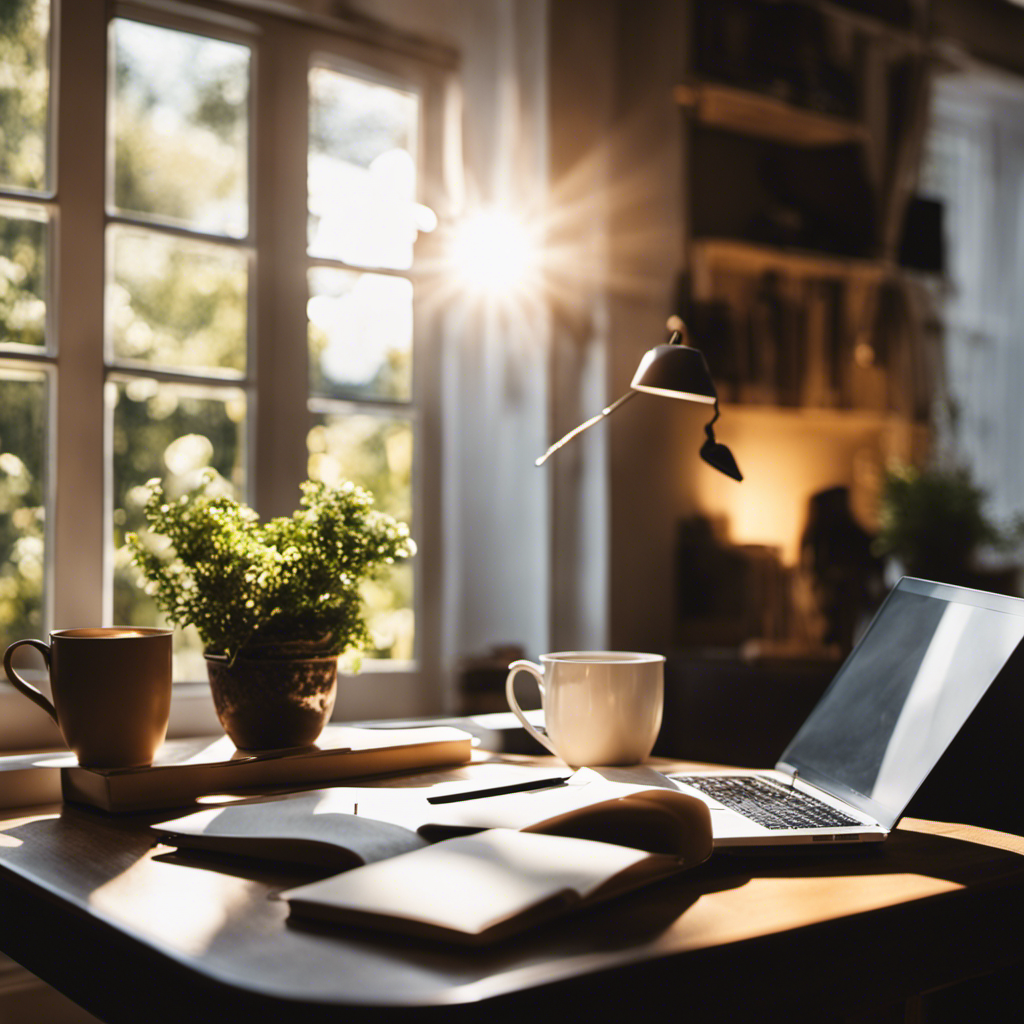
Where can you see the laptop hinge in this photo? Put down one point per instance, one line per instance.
(794, 776)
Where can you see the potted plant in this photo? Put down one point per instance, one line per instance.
(274, 603)
(933, 522)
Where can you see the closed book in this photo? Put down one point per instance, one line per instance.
(185, 770)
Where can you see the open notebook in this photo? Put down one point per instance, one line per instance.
(533, 853)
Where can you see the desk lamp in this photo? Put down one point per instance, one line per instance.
(675, 370)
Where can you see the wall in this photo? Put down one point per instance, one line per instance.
(789, 457)
(582, 82)
(655, 476)
(653, 442)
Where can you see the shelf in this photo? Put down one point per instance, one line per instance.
(711, 254)
(750, 113)
(854, 421)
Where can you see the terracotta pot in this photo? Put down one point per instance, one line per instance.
(270, 703)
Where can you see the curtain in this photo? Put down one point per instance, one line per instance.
(974, 163)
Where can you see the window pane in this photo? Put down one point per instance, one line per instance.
(22, 276)
(360, 335)
(362, 172)
(24, 94)
(375, 452)
(175, 303)
(173, 432)
(22, 496)
(180, 130)
(389, 614)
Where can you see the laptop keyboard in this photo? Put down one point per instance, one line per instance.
(767, 803)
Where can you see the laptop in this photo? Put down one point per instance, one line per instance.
(928, 657)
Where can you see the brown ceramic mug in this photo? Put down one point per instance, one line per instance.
(111, 691)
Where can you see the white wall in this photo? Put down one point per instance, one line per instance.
(653, 441)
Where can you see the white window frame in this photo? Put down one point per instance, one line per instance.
(283, 49)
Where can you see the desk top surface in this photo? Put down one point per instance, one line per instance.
(101, 879)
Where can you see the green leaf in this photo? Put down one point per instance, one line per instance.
(242, 583)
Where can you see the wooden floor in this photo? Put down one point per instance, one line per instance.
(24, 999)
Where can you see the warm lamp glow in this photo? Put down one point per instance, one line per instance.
(494, 253)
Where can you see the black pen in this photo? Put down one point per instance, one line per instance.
(517, 787)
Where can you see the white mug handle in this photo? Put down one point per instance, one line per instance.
(538, 674)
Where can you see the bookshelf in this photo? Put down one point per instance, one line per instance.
(796, 118)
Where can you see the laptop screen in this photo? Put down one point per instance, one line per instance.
(900, 698)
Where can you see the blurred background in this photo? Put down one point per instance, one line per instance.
(412, 243)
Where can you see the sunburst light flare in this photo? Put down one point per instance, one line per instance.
(495, 253)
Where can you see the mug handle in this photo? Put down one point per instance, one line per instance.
(538, 675)
(27, 688)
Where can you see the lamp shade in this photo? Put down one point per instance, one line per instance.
(676, 371)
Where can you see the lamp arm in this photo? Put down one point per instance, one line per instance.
(709, 426)
(606, 411)
(716, 454)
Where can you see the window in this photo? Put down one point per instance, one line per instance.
(26, 348)
(974, 163)
(178, 252)
(363, 222)
(233, 209)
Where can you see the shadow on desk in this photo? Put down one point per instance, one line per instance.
(201, 936)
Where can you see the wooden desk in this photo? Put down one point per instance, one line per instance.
(136, 933)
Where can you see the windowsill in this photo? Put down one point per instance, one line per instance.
(29, 737)
(26, 727)
(29, 740)
(381, 689)
(23, 725)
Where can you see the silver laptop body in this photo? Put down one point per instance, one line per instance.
(926, 660)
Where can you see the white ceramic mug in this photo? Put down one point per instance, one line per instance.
(600, 707)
